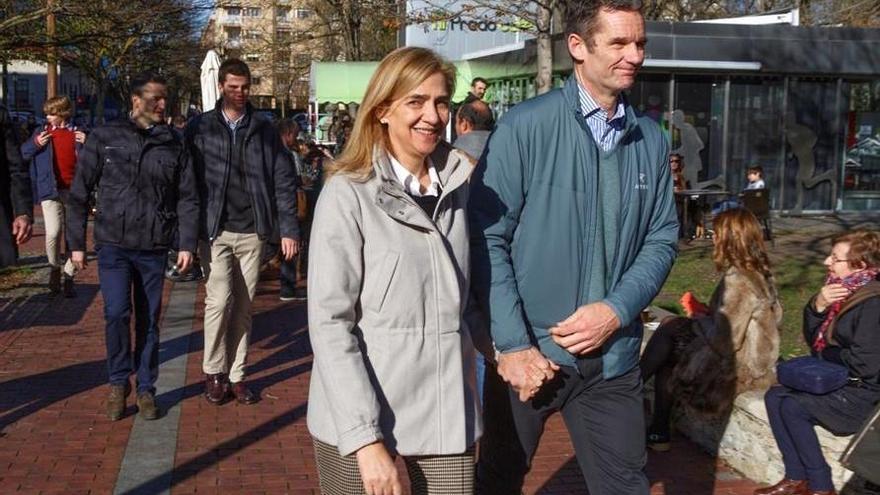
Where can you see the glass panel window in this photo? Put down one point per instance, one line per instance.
(697, 123)
(861, 177)
(754, 132)
(649, 96)
(813, 143)
(233, 11)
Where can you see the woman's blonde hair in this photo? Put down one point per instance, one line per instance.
(739, 242)
(399, 72)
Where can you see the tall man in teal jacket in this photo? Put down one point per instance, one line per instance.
(574, 231)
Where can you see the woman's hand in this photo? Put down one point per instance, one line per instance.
(830, 294)
(378, 471)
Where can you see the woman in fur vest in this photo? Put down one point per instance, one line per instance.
(730, 346)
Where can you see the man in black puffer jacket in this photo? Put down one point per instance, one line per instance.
(146, 190)
(247, 183)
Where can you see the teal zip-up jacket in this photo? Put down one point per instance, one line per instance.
(535, 214)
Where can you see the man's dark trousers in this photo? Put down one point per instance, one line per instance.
(126, 275)
(604, 418)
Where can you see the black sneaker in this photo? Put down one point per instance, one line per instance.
(658, 442)
(288, 294)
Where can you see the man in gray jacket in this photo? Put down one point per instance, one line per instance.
(473, 124)
(574, 231)
(247, 183)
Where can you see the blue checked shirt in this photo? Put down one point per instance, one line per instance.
(607, 132)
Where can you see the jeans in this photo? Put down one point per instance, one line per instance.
(793, 431)
(132, 277)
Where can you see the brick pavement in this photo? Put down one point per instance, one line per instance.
(55, 438)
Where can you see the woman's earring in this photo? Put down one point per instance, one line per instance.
(383, 121)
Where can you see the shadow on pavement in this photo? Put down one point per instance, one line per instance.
(190, 468)
(26, 395)
(54, 309)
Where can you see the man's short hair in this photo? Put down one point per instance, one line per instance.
(235, 67)
(582, 16)
(478, 114)
(756, 169)
(475, 80)
(58, 105)
(140, 81)
(288, 125)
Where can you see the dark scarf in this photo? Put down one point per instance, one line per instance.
(852, 283)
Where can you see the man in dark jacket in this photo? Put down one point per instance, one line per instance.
(247, 184)
(16, 212)
(146, 189)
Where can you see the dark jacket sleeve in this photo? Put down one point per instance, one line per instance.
(188, 213)
(812, 321)
(19, 176)
(285, 189)
(29, 148)
(862, 355)
(88, 172)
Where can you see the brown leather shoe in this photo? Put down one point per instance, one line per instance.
(116, 401)
(832, 492)
(147, 406)
(243, 394)
(216, 388)
(786, 487)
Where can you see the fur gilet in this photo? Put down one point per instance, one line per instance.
(735, 348)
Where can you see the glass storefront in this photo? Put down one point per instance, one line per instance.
(817, 140)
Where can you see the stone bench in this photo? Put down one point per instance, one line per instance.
(746, 443)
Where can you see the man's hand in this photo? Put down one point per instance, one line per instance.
(78, 258)
(80, 136)
(378, 471)
(289, 248)
(587, 329)
(184, 261)
(22, 229)
(526, 371)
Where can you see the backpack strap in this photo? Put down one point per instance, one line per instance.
(869, 290)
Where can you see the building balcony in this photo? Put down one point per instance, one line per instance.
(230, 20)
(235, 43)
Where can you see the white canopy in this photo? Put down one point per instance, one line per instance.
(209, 80)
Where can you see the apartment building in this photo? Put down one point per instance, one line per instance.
(275, 38)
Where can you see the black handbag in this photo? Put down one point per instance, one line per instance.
(862, 455)
(813, 375)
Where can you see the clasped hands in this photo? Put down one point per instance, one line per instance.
(527, 370)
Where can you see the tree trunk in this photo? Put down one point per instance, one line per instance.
(544, 78)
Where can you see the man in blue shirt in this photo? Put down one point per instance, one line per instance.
(574, 231)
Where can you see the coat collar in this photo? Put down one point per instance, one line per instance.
(452, 168)
(571, 93)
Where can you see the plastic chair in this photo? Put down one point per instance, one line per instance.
(757, 201)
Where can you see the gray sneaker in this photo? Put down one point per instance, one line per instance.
(147, 406)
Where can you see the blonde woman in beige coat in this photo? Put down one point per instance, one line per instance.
(726, 348)
(393, 372)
